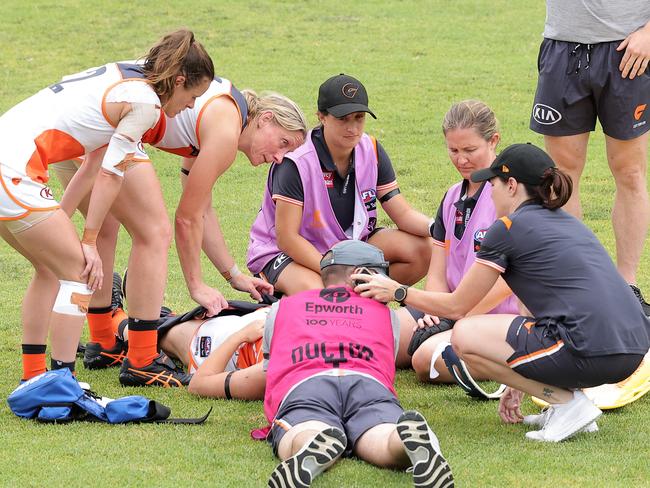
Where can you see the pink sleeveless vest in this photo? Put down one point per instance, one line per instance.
(317, 330)
(319, 225)
(461, 254)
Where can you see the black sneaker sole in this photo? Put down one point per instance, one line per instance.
(299, 470)
(430, 469)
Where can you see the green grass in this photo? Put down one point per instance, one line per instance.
(415, 58)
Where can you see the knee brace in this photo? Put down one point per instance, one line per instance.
(73, 298)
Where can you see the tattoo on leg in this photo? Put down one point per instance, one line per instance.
(548, 392)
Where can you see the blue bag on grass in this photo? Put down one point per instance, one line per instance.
(57, 396)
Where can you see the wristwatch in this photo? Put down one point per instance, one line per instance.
(400, 294)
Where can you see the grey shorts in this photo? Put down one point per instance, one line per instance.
(352, 403)
(540, 355)
(579, 83)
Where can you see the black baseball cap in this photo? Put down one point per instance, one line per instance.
(355, 253)
(523, 162)
(342, 95)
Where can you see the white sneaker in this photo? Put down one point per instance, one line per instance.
(429, 467)
(540, 419)
(566, 419)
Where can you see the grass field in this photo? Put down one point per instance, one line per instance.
(415, 58)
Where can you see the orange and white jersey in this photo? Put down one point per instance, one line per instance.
(181, 133)
(68, 119)
(213, 332)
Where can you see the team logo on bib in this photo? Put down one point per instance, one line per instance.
(369, 198)
(46, 193)
(328, 178)
(335, 295)
(479, 235)
(546, 115)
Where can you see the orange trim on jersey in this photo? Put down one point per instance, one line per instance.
(444, 244)
(537, 354)
(507, 222)
(52, 146)
(20, 204)
(156, 133)
(142, 80)
(288, 200)
(250, 354)
(387, 186)
(205, 105)
(491, 265)
(374, 144)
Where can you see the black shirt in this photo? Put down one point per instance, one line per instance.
(557, 267)
(287, 183)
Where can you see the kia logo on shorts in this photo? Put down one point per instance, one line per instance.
(46, 193)
(545, 115)
(335, 295)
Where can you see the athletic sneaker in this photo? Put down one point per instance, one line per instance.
(96, 357)
(315, 457)
(539, 420)
(644, 305)
(430, 469)
(566, 419)
(117, 296)
(161, 372)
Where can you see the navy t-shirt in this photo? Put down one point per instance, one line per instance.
(560, 271)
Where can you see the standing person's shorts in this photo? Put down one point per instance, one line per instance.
(579, 83)
(353, 403)
(23, 201)
(541, 355)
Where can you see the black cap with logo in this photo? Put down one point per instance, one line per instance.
(523, 162)
(342, 95)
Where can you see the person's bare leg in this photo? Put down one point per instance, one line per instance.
(480, 341)
(63, 256)
(406, 325)
(296, 278)
(570, 155)
(631, 211)
(407, 254)
(382, 446)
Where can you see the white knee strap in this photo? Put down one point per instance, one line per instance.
(433, 373)
(73, 298)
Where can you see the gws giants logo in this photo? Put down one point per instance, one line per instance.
(46, 193)
(349, 90)
(545, 115)
(479, 235)
(335, 295)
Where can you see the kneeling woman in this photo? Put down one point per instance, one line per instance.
(586, 328)
(326, 191)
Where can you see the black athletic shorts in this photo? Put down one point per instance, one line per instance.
(540, 354)
(353, 403)
(271, 271)
(579, 83)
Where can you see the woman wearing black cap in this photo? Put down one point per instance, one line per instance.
(586, 327)
(326, 191)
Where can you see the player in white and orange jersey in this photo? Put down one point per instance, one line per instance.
(101, 110)
(207, 135)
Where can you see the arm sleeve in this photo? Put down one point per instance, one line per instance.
(269, 325)
(439, 230)
(286, 182)
(385, 172)
(496, 248)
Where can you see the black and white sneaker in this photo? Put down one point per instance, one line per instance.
(644, 305)
(315, 457)
(430, 469)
